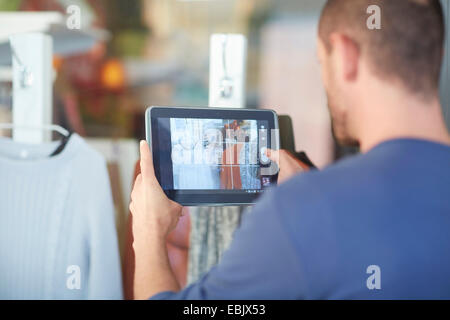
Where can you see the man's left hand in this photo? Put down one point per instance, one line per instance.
(154, 215)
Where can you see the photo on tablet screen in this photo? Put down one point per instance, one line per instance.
(209, 154)
(212, 156)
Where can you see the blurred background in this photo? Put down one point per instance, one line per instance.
(156, 52)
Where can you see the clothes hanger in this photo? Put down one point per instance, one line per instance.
(62, 144)
(50, 127)
(26, 80)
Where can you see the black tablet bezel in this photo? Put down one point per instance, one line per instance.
(204, 197)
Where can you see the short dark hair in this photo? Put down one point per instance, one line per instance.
(408, 47)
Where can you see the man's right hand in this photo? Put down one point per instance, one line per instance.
(289, 165)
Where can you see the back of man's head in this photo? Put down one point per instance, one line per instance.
(408, 47)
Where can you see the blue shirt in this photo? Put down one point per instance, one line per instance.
(374, 226)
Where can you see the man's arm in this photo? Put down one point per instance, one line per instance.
(154, 217)
(153, 273)
(262, 262)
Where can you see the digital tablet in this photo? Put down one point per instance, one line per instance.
(212, 156)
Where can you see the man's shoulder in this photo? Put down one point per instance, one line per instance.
(393, 164)
(344, 174)
(311, 199)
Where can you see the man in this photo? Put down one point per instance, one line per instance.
(374, 226)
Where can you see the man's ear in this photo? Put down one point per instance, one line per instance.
(347, 55)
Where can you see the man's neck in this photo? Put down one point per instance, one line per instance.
(402, 118)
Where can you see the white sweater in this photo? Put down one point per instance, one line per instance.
(57, 230)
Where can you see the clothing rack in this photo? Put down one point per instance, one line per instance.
(29, 43)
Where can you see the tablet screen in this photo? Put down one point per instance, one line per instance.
(214, 159)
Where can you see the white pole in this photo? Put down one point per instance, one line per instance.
(32, 85)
